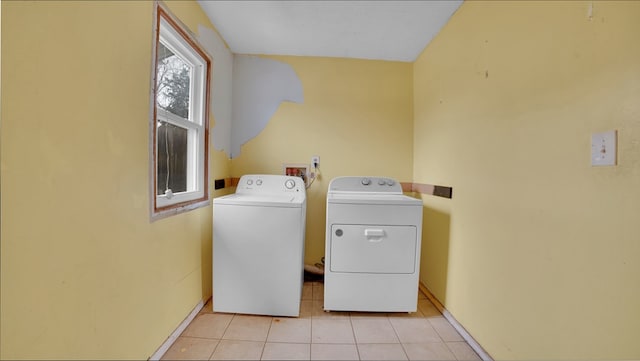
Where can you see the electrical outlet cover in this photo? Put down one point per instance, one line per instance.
(604, 148)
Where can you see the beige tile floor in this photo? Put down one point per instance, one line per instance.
(319, 335)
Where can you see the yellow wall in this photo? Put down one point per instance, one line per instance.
(356, 115)
(536, 254)
(541, 250)
(84, 273)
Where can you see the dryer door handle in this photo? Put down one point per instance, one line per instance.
(374, 235)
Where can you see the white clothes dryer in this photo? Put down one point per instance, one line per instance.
(372, 248)
(258, 246)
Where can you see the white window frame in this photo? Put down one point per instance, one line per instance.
(173, 36)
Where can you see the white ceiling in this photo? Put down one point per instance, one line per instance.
(382, 30)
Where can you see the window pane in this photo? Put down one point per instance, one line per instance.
(173, 82)
(172, 158)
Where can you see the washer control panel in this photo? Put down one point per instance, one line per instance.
(269, 184)
(365, 184)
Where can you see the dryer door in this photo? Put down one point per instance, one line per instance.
(373, 249)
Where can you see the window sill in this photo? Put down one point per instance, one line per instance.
(164, 213)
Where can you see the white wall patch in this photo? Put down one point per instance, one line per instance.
(221, 87)
(259, 86)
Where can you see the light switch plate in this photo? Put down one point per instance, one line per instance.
(604, 148)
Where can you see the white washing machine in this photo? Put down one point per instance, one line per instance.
(372, 249)
(258, 246)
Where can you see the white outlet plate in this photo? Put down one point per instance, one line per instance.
(315, 160)
(604, 148)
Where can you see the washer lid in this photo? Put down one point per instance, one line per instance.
(372, 198)
(259, 200)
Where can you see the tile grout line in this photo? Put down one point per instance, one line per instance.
(454, 354)
(435, 329)
(399, 340)
(264, 345)
(355, 340)
(223, 332)
(214, 350)
(266, 339)
(221, 336)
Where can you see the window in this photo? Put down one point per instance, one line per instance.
(180, 123)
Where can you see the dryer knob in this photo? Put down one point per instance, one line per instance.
(366, 181)
(259, 182)
(289, 183)
(381, 182)
(391, 182)
(250, 182)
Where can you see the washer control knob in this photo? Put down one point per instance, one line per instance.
(259, 182)
(250, 182)
(366, 181)
(289, 183)
(391, 182)
(381, 182)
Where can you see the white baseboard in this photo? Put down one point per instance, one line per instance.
(452, 320)
(174, 336)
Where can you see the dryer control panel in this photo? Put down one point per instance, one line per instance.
(365, 184)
